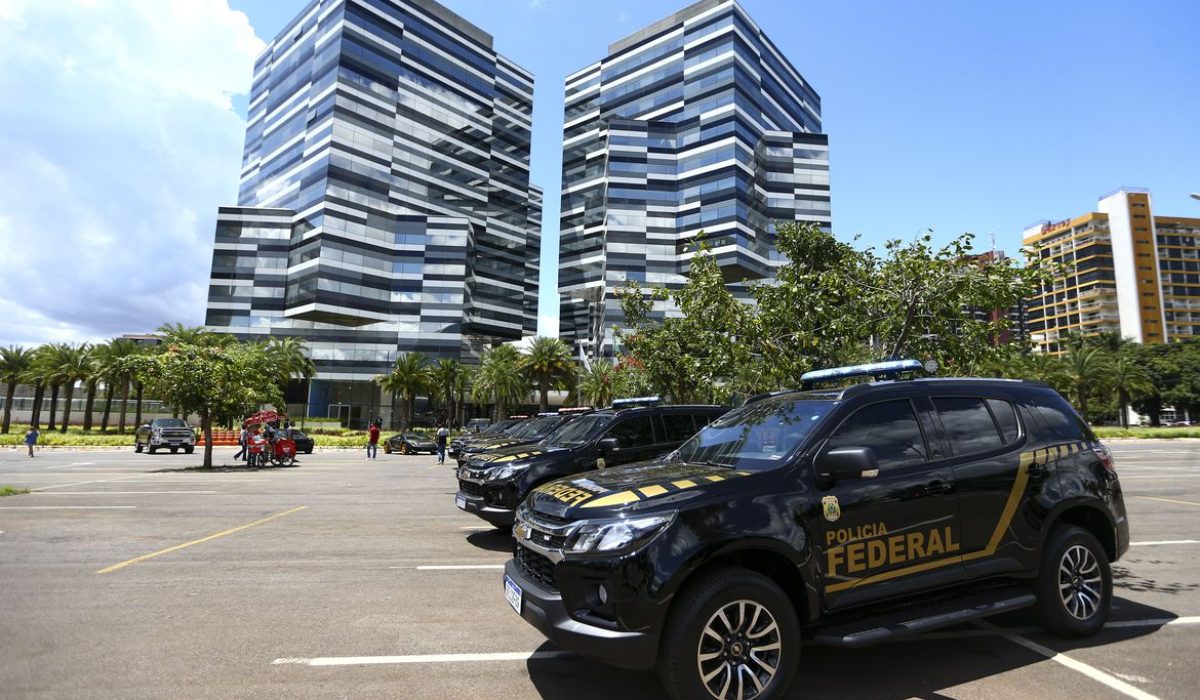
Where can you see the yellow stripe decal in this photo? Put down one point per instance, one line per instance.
(684, 483)
(715, 477)
(652, 491)
(615, 499)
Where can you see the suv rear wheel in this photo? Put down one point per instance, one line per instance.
(732, 635)
(1074, 586)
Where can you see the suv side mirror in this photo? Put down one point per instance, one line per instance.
(608, 444)
(847, 463)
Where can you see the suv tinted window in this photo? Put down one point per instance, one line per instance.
(634, 432)
(1006, 418)
(1061, 421)
(890, 429)
(679, 426)
(968, 424)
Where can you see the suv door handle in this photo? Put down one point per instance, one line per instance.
(1036, 471)
(935, 488)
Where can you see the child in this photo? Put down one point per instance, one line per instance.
(31, 438)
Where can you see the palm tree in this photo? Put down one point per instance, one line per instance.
(35, 376)
(409, 377)
(548, 365)
(1131, 380)
(52, 359)
(444, 378)
(288, 355)
(596, 384)
(191, 335)
(499, 379)
(76, 365)
(111, 366)
(15, 363)
(462, 388)
(1085, 369)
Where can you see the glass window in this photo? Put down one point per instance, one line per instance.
(968, 424)
(890, 429)
(580, 431)
(634, 432)
(679, 426)
(1006, 418)
(758, 436)
(1062, 423)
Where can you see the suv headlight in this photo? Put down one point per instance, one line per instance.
(508, 471)
(617, 534)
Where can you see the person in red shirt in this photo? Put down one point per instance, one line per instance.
(373, 440)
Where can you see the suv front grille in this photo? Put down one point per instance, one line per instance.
(536, 567)
(471, 488)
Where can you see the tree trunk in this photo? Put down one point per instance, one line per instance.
(206, 426)
(405, 417)
(89, 406)
(35, 417)
(69, 391)
(53, 406)
(108, 394)
(544, 388)
(137, 420)
(1122, 402)
(9, 397)
(1082, 394)
(124, 408)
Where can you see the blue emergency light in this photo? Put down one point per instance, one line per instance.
(877, 370)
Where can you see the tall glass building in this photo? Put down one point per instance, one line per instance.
(694, 124)
(385, 203)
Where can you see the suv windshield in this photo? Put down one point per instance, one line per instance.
(413, 437)
(578, 431)
(169, 423)
(755, 437)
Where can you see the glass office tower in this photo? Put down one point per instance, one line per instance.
(694, 124)
(385, 203)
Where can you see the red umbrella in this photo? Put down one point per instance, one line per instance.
(262, 417)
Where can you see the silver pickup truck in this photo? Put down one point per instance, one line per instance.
(172, 433)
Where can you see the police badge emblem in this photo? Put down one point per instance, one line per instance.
(600, 463)
(832, 509)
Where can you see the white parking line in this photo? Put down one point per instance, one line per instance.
(80, 483)
(424, 659)
(450, 567)
(117, 493)
(1090, 671)
(478, 528)
(1148, 544)
(67, 507)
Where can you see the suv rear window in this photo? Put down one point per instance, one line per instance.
(634, 432)
(1062, 423)
(679, 426)
(968, 424)
(889, 428)
(1006, 418)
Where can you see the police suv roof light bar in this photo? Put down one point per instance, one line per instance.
(639, 401)
(878, 370)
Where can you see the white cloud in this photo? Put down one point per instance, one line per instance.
(119, 142)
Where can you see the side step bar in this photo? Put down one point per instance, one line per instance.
(924, 618)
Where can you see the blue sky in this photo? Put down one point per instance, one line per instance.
(951, 116)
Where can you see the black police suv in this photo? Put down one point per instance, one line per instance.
(456, 444)
(855, 515)
(492, 488)
(527, 433)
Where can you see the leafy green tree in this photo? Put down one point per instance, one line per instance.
(75, 366)
(1130, 379)
(216, 381)
(597, 384)
(113, 364)
(409, 377)
(15, 364)
(548, 365)
(289, 358)
(35, 376)
(52, 359)
(499, 379)
(1086, 370)
(444, 379)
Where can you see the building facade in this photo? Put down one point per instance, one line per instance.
(385, 204)
(695, 124)
(1122, 269)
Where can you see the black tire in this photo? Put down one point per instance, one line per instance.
(174, 450)
(1074, 565)
(308, 451)
(151, 449)
(387, 448)
(189, 450)
(137, 447)
(684, 641)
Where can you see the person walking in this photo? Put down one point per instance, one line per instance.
(31, 438)
(442, 434)
(243, 442)
(372, 440)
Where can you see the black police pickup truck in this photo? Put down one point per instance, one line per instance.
(526, 432)
(853, 515)
(491, 485)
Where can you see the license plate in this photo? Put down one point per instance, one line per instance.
(460, 502)
(512, 593)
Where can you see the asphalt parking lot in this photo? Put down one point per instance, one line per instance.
(129, 576)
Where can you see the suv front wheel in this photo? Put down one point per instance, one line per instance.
(732, 635)
(1074, 587)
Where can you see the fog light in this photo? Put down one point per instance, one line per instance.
(603, 593)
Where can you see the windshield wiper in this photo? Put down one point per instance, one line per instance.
(709, 463)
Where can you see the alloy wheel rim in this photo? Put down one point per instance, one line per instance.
(739, 651)
(1080, 582)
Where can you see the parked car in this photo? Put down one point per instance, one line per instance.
(172, 433)
(408, 444)
(304, 443)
